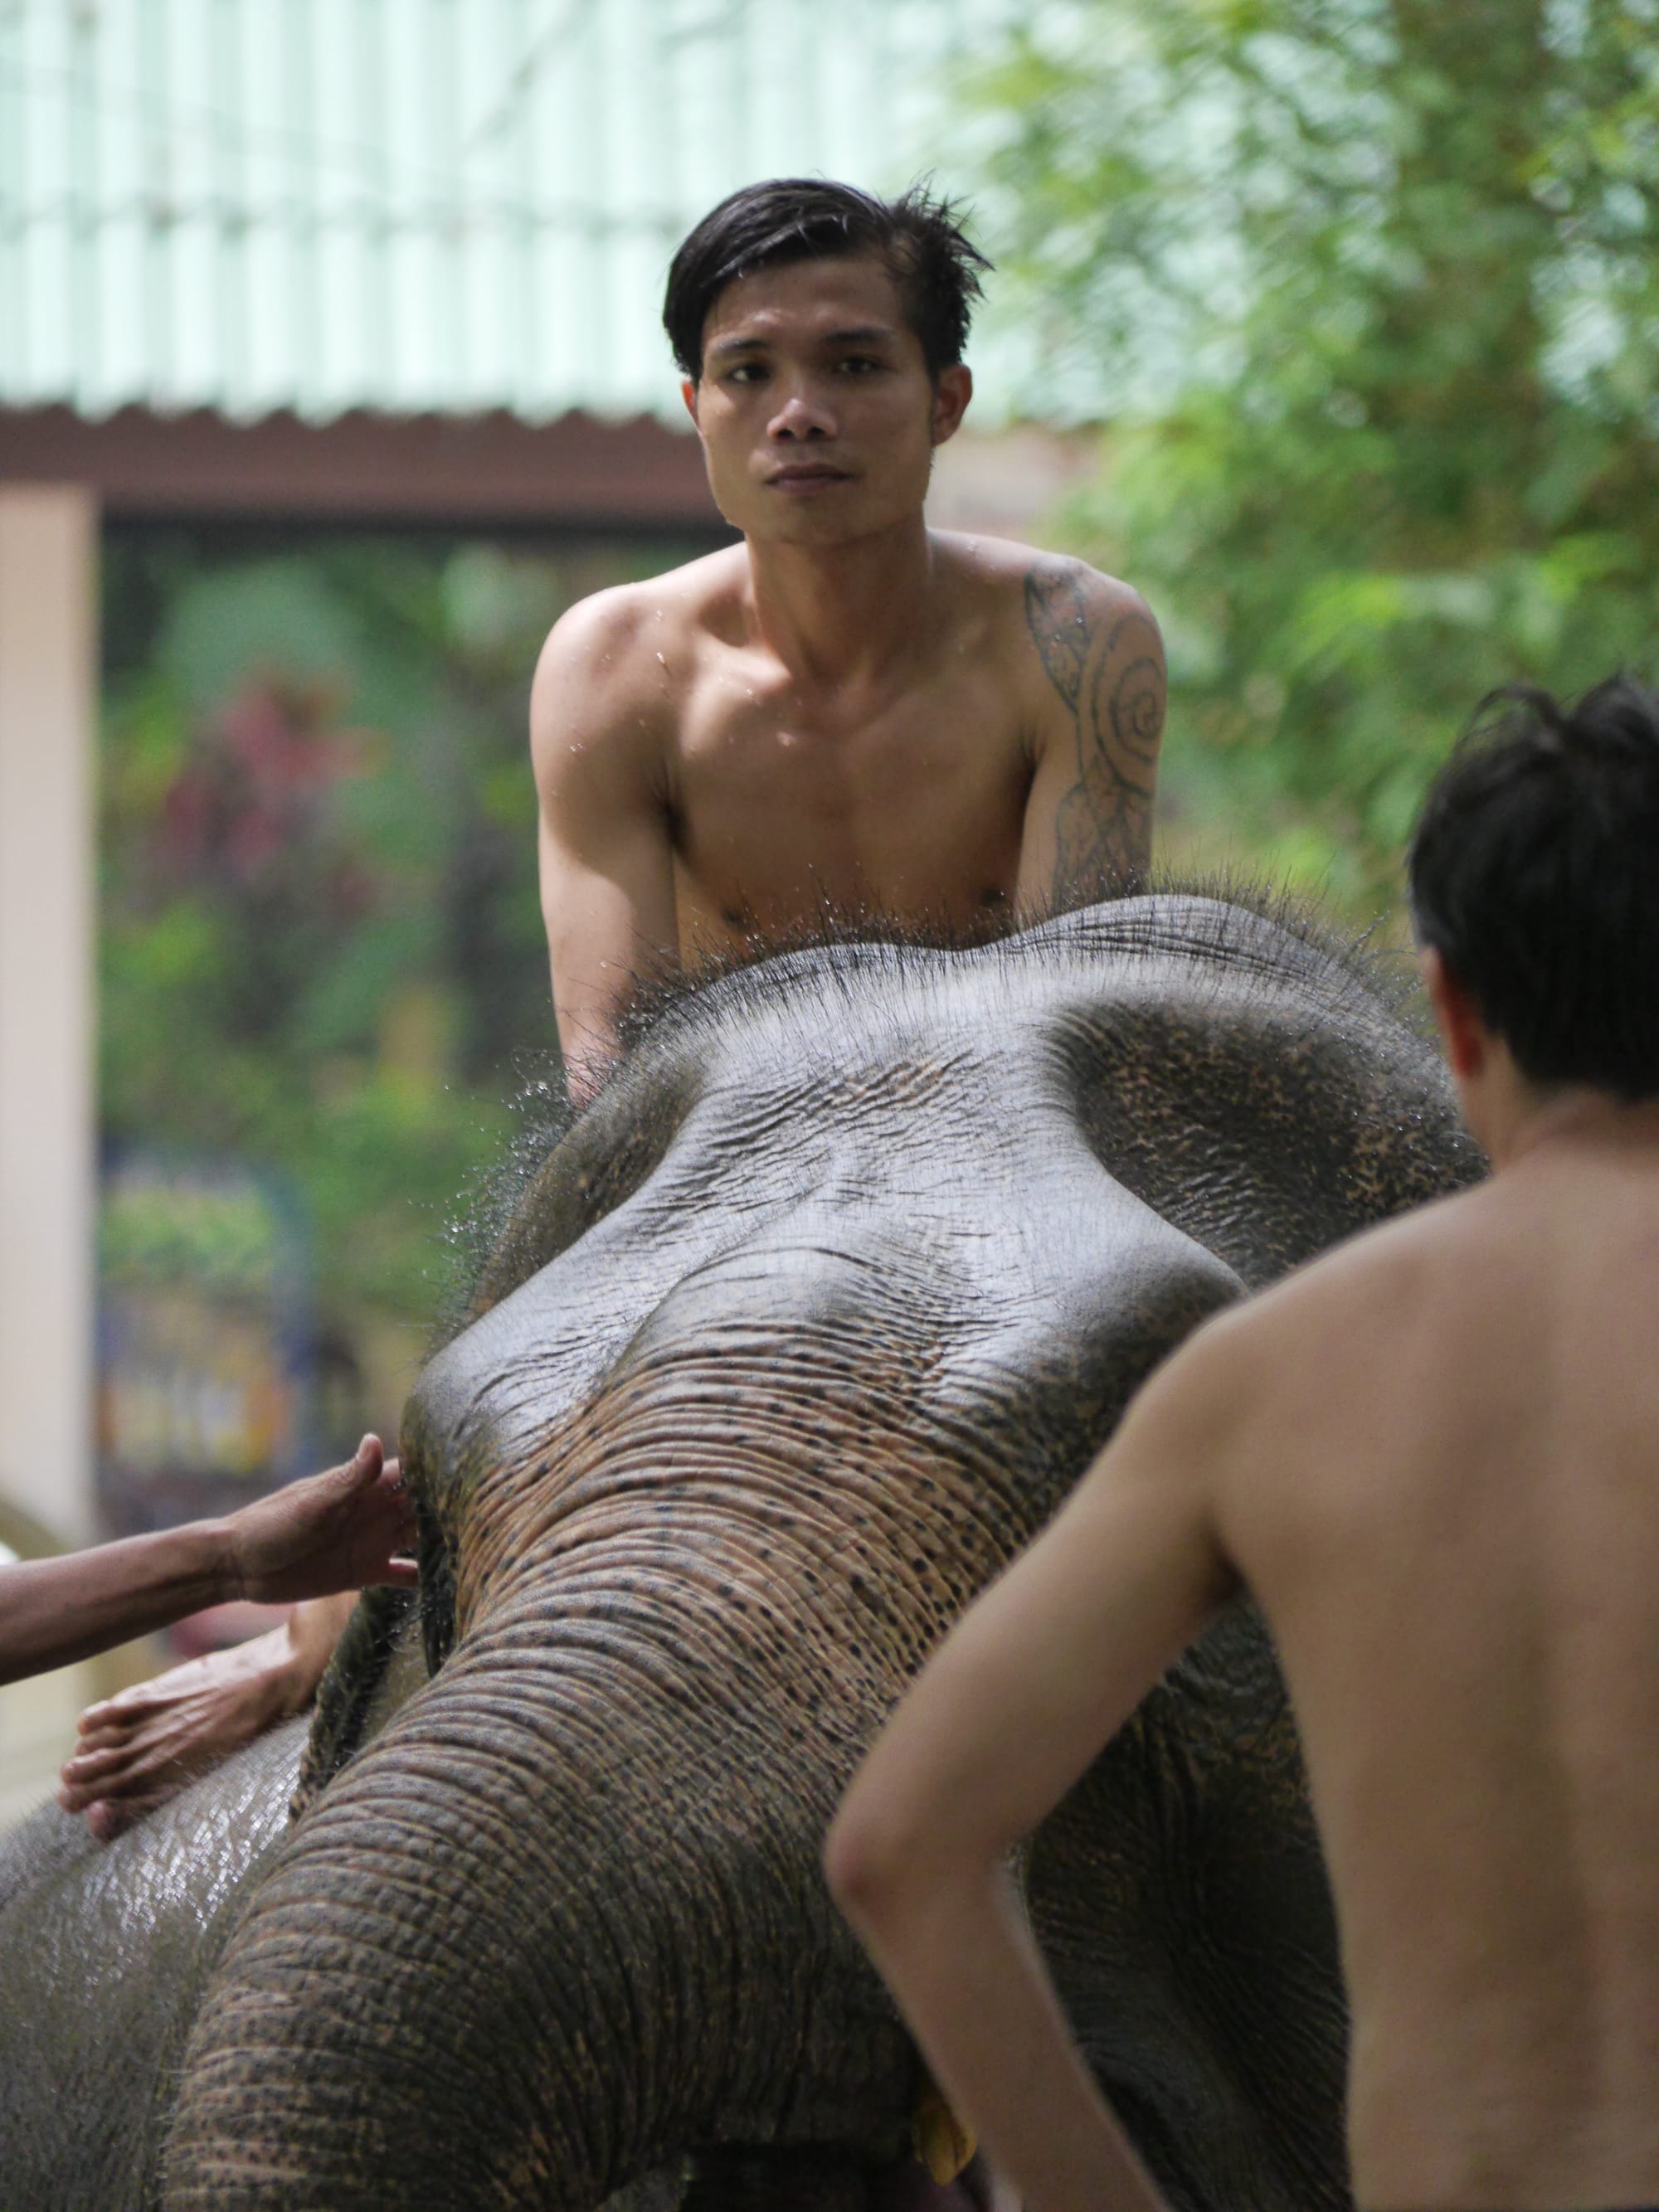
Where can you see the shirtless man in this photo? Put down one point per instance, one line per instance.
(1431, 1456)
(846, 716)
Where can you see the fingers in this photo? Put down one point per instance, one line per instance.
(367, 1462)
(362, 1470)
(332, 1532)
(395, 1490)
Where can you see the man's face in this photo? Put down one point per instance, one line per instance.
(817, 416)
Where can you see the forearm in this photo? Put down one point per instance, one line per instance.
(54, 1611)
(968, 1978)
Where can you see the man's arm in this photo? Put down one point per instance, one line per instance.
(1017, 1702)
(332, 1531)
(607, 867)
(1088, 830)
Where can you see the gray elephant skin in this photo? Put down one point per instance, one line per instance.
(794, 1339)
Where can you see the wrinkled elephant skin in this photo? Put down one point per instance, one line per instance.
(801, 1333)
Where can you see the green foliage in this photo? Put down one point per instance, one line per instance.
(321, 944)
(1369, 291)
(224, 1241)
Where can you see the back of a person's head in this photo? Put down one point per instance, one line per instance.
(786, 219)
(1534, 874)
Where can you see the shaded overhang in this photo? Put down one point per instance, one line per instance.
(490, 470)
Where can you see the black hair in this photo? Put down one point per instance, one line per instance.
(808, 218)
(1534, 874)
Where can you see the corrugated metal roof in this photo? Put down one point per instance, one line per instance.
(406, 204)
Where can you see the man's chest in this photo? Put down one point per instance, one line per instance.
(914, 803)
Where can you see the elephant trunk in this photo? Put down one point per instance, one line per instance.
(559, 1921)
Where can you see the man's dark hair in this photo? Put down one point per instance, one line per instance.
(807, 219)
(1534, 874)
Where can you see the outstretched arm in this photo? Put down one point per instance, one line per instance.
(607, 867)
(1016, 1704)
(332, 1531)
(1099, 678)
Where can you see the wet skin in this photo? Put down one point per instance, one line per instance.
(803, 1331)
(846, 712)
(821, 1310)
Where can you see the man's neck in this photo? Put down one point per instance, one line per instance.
(834, 614)
(1577, 1121)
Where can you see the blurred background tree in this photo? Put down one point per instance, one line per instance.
(1365, 293)
(1368, 294)
(321, 943)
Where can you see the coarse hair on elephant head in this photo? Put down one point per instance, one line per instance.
(788, 1344)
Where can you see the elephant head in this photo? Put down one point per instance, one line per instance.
(799, 1334)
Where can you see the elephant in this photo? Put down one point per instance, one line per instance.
(786, 1346)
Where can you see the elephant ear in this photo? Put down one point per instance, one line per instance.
(1266, 1100)
(377, 1663)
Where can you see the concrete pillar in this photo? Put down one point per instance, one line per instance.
(48, 1111)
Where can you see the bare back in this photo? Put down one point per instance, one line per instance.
(1451, 1519)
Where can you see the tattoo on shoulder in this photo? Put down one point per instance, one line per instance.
(1108, 671)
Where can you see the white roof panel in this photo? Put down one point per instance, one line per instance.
(412, 204)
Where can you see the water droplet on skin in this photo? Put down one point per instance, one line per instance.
(661, 660)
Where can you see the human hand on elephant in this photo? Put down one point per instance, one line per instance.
(817, 1320)
(314, 1544)
(337, 1531)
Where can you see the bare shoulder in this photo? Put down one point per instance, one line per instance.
(1093, 635)
(1085, 653)
(1046, 596)
(1377, 1282)
(602, 680)
(1084, 663)
(611, 640)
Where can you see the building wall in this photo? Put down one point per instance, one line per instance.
(48, 674)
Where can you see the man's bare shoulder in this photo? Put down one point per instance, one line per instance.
(615, 635)
(1084, 660)
(1019, 576)
(1380, 1280)
(611, 672)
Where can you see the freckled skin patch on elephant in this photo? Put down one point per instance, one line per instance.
(786, 1347)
